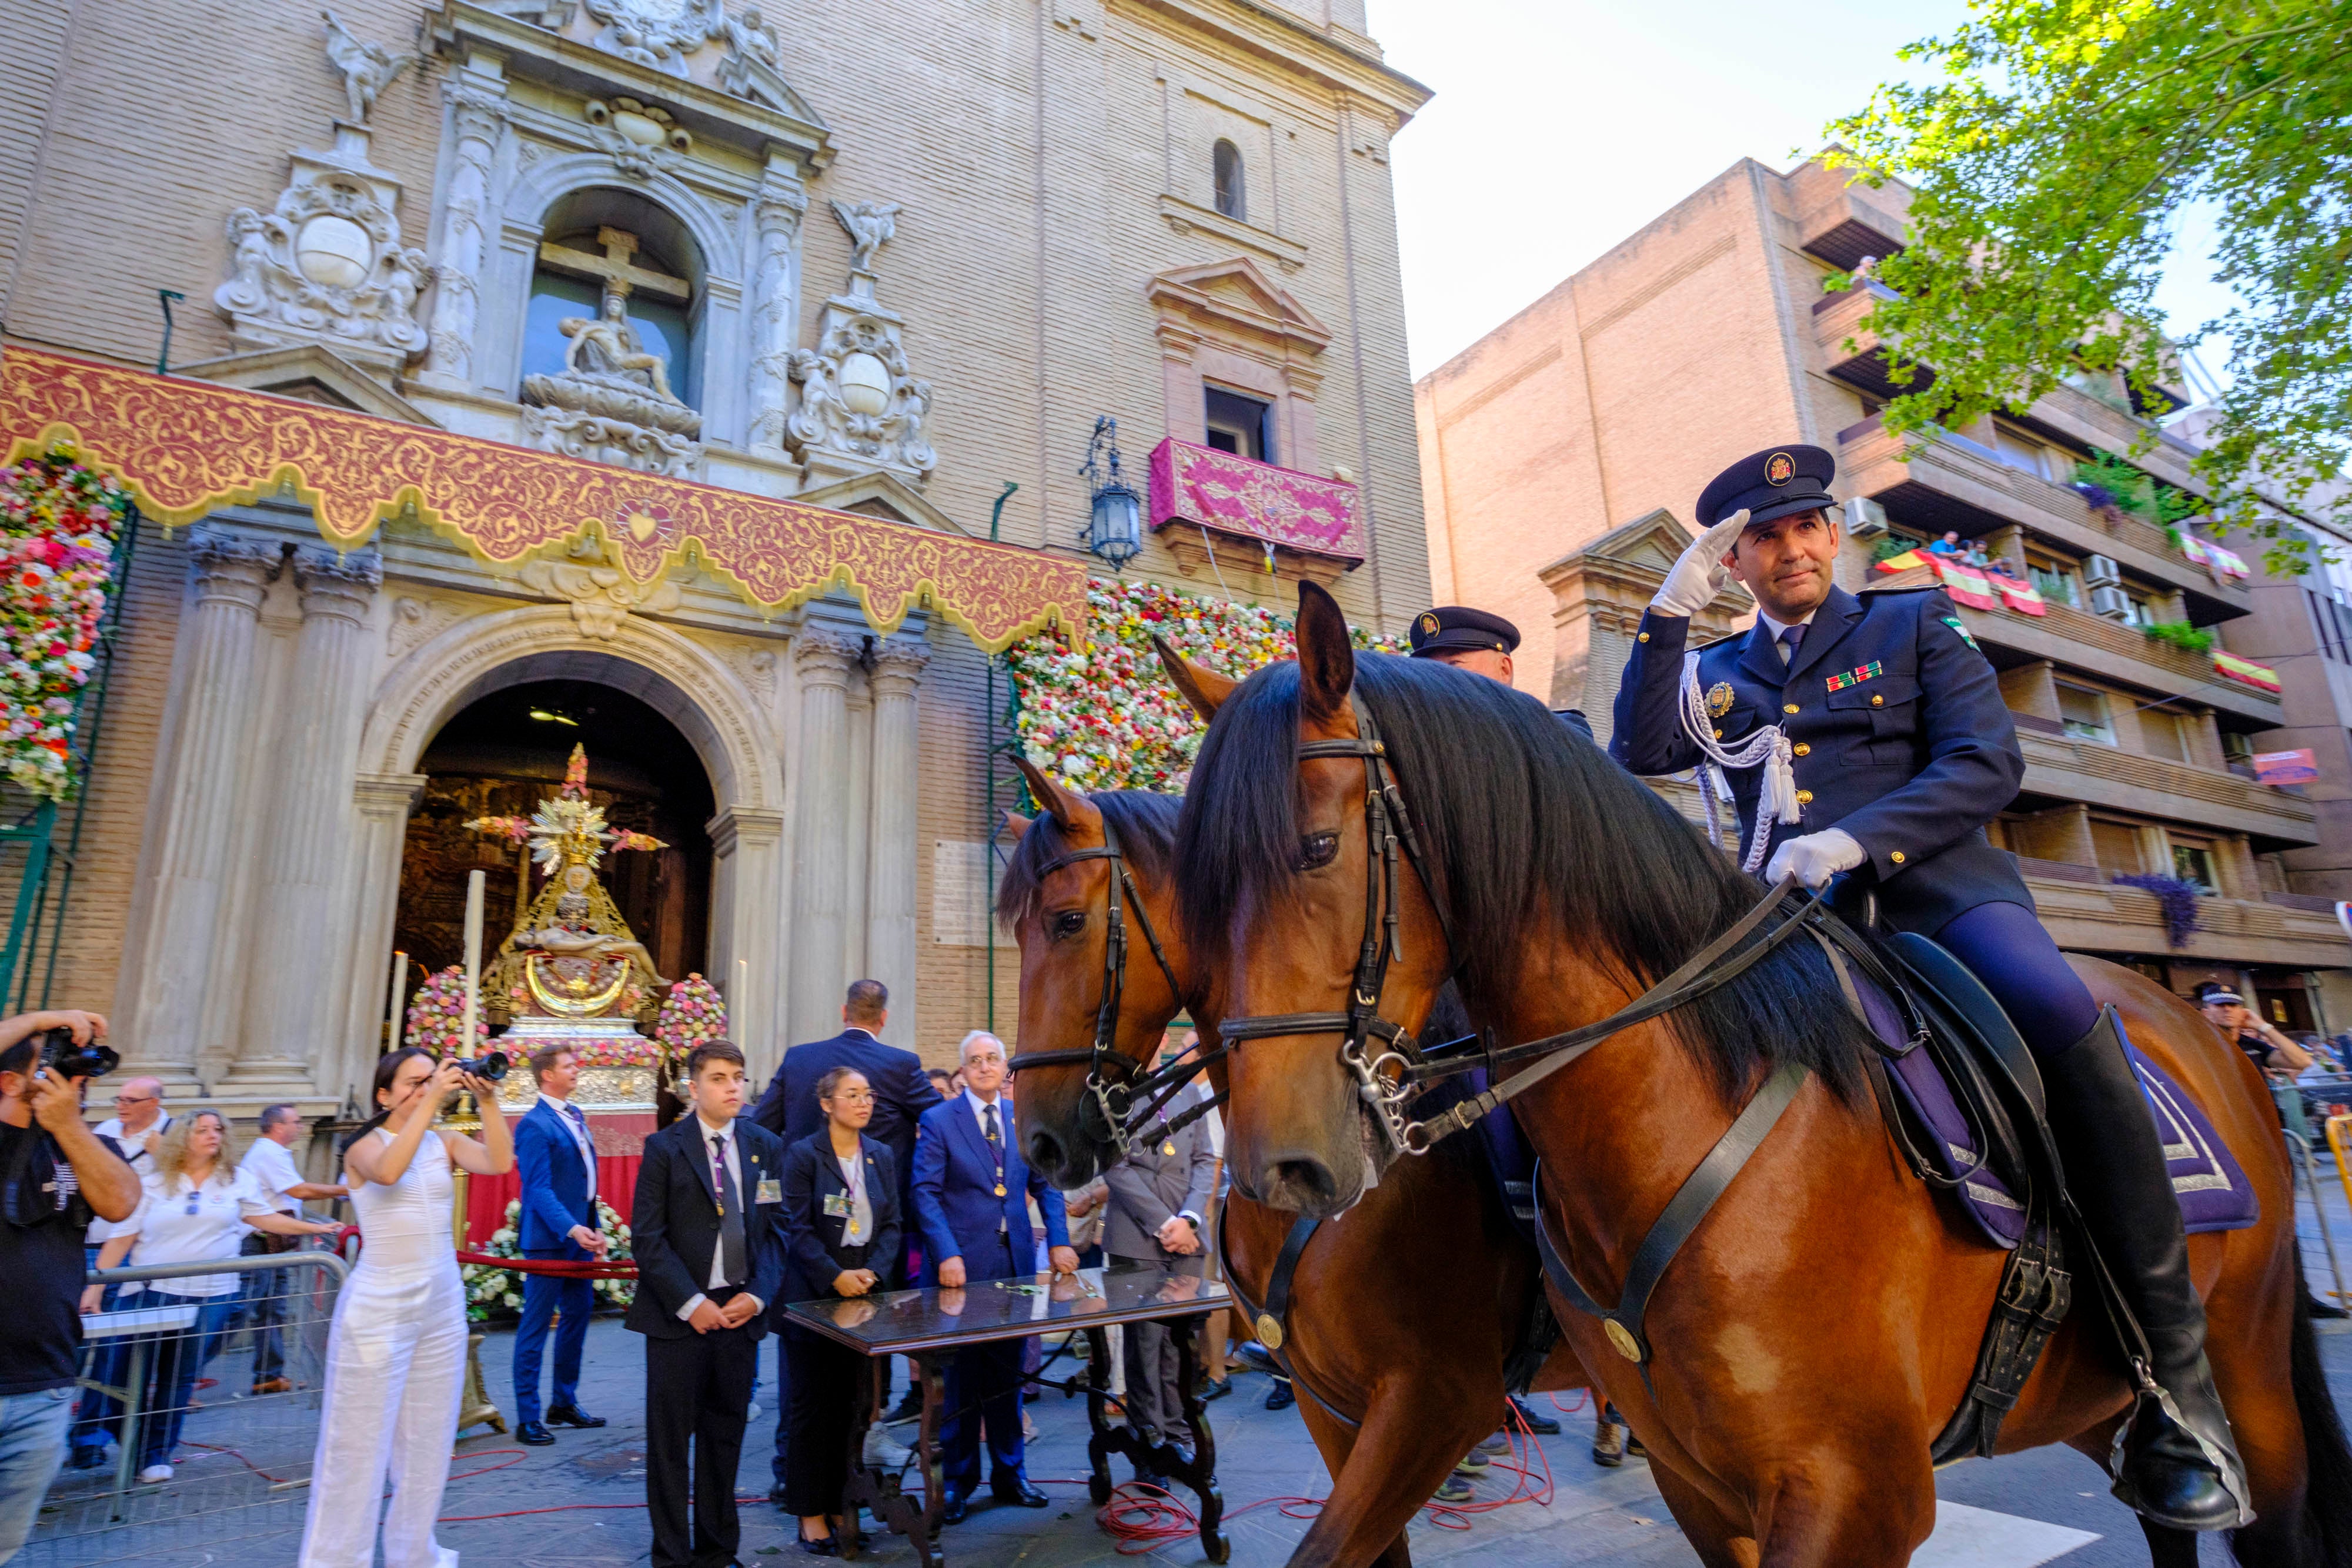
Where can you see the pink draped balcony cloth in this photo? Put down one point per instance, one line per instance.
(1257, 502)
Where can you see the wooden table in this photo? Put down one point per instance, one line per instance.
(928, 1327)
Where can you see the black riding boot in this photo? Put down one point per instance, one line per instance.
(2176, 1463)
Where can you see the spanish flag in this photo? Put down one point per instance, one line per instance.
(1965, 583)
(2021, 597)
(1903, 562)
(2245, 671)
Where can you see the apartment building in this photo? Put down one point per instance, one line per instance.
(2147, 663)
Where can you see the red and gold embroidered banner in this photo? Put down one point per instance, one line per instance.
(187, 447)
(1279, 507)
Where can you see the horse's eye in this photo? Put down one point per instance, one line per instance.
(1316, 850)
(1069, 923)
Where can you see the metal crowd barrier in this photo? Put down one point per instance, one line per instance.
(254, 1368)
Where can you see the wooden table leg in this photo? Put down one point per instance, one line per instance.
(1200, 1475)
(1101, 1437)
(894, 1509)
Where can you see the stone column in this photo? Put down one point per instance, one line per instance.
(775, 308)
(210, 733)
(477, 112)
(890, 859)
(306, 858)
(745, 846)
(822, 658)
(382, 802)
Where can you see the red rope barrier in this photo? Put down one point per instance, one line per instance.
(560, 1268)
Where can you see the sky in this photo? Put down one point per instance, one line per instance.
(1560, 126)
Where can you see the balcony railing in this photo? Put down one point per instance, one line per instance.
(2150, 786)
(1256, 515)
(2068, 637)
(2098, 917)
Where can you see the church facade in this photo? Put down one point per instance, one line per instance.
(874, 272)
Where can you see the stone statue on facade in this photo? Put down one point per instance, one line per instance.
(611, 402)
(870, 224)
(367, 67)
(607, 350)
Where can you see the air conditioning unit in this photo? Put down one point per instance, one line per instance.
(2112, 602)
(1864, 518)
(2098, 571)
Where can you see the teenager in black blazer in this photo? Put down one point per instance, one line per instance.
(840, 1234)
(710, 1262)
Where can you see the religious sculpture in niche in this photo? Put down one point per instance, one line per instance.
(613, 401)
(862, 407)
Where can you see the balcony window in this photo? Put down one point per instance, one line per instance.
(2055, 583)
(2021, 452)
(1240, 425)
(2117, 846)
(2331, 618)
(2084, 712)
(2194, 862)
(1225, 168)
(2160, 733)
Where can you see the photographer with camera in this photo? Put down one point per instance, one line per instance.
(54, 1177)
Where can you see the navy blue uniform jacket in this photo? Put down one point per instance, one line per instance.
(813, 1248)
(1911, 757)
(901, 1093)
(555, 1195)
(954, 1194)
(674, 1224)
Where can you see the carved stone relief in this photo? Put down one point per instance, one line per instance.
(416, 621)
(862, 409)
(326, 264)
(602, 596)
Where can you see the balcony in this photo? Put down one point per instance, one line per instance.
(2149, 786)
(1851, 223)
(2087, 913)
(1219, 511)
(2068, 637)
(1929, 482)
(1838, 321)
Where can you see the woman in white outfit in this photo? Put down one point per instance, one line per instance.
(396, 1355)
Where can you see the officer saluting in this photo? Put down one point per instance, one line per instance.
(1895, 749)
(1481, 643)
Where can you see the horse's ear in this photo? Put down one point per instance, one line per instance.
(1015, 824)
(1327, 660)
(1202, 687)
(1067, 807)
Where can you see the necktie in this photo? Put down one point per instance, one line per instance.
(1789, 637)
(995, 1149)
(731, 1215)
(579, 1126)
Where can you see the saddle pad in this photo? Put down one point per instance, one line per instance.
(2205, 1177)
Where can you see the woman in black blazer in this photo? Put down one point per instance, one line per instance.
(840, 1209)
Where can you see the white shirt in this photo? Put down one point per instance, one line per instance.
(704, 1132)
(169, 1233)
(1780, 626)
(579, 1136)
(271, 1166)
(140, 1160)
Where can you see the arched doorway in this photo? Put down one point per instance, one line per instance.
(505, 752)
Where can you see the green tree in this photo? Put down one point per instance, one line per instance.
(2051, 165)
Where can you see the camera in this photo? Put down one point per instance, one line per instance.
(490, 1066)
(58, 1053)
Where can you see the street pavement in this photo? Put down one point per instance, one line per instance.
(579, 1504)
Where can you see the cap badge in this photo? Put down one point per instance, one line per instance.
(1779, 469)
(1718, 699)
(1429, 623)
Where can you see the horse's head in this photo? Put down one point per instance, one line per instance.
(1057, 893)
(1304, 912)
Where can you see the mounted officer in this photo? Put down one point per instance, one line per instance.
(1482, 643)
(1892, 750)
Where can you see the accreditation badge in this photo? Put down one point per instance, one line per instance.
(770, 1190)
(836, 1206)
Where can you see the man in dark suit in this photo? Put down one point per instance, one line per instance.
(1866, 738)
(788, 1108)
(972, 1192)
(558, 1164)
(710, 1259)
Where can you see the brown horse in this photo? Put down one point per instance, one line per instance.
(1361, 1330)
(1822, 1324)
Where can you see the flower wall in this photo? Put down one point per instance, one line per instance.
(1105, 718)
(436, 1015)
(60, 526)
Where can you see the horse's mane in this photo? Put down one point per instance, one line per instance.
(1523, 821)
(1146, 825)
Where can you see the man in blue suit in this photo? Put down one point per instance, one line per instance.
(788, 1108)
(1866, 738)
(972, 1192)
(558, 1163)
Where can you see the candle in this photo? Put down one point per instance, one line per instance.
(736, 1002)
(474, 881)
(391, 1019)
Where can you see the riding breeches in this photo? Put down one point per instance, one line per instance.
(2011, 950)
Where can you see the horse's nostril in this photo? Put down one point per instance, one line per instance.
(1046, 1152)
(1303, 1183)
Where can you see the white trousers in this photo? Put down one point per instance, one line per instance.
(396, 1373)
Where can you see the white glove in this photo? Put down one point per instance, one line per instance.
(1699, 575)
(1815, 857)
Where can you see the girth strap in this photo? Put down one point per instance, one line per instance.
(1690, 1203)
(1271, 1324)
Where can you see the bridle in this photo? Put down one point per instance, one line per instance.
(1112, 1100)
(1388, 828)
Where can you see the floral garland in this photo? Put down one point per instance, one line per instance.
(59, 525)
(1106, 717)
(695, 1014)
(489, 1290)
(437, 1014)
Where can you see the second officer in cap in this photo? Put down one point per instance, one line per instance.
(1480, 642)
(1902, 751)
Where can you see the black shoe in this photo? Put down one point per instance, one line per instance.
(1144, 1478)
(776, 1496)
(910, 1405)
(957, 1511)
(828, 1547)
(1281, 1396)
(572, 1415)
(1257, 1358)
(1217, 1389)
(86, 1458)
(2177, 1464)
(1540, 1424)
(1019, 1493)
(2320, 1309)
(535, 1433)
